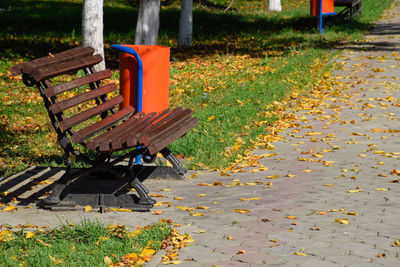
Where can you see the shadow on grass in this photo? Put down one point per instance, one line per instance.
(34, 28)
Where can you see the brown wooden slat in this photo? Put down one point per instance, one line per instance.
(162, 120)
(53, 70)
(347, 3)
(73, 101)
(164, 126)
(107, 137)
(68, 55)
(60, 88)
(28, 67)
(132, 139)
(172, 136)
(109, 121)
(132, 132)
(89, 113)
(109, 143)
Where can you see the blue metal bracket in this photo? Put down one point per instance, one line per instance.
(320, 22)
(139, 98)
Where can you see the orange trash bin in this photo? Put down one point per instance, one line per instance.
(155, 60)
(327, 7)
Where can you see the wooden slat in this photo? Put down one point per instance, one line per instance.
(28, 67)
(172, 136)
(132, 132)
(61, 88)
(87, 114)
(68, 55)
(131, 141)
(53, 70)
(166, 124)
(73, 101)
(107, 137)
(347, 3)
(109, 121)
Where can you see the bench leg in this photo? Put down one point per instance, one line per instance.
(142, 191)
(174, 161)
(58, 187)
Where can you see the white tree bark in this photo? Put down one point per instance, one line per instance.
(148, 22)
(274, 5)
(92, 28)
(186, 24)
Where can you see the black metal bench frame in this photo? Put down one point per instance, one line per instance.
(142, 134)
(352, 8)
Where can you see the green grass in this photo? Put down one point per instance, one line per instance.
(241, 61)
(86, 244)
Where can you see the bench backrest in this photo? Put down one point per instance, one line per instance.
(78, 107)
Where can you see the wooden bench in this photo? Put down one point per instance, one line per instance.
(352, 8)
(82, 113)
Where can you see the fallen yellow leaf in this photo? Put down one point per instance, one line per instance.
(29, 235)
(173, 262)
(351, 213)
(43, 243)
(342, 221)
(242, 251)
(196, 214)
(313, 133)
(107, 260)
(9, 208)
(44, 182)
(147, 253)
(299, 254)
(382, 189)
(120, 209)
(6, 235)
(249, 198)
(193, 176)
(88, 208)
(241, 210)
(178, 198)
(211, 118)
(354, 191)
(395, 172)
(184, 208)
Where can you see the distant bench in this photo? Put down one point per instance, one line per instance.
(352, 8)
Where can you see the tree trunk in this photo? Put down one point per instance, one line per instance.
(186, 24)
(148, 22)
(274, 5)
(92, 28)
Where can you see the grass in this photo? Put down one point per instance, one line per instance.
(241, 62)
(88, 244)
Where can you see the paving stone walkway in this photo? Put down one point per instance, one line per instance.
(330, 196)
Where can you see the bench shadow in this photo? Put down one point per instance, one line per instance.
(35, 183)
(378, 30)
